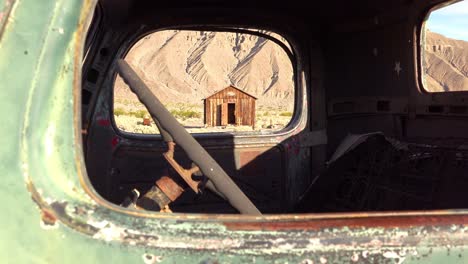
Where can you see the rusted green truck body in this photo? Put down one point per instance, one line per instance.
(51, 214)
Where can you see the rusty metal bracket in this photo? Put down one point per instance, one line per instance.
(184, 173)
(165, 191)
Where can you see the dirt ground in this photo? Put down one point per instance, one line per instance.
(129, 117)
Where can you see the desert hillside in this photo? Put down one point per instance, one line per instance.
(187, 66)
(445, 63)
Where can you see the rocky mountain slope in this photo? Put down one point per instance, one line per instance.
(187, 66)
(445, 63)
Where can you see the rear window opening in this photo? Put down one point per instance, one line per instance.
(214, 83)
(210, 81)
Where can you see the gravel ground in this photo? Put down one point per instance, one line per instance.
(135, 125)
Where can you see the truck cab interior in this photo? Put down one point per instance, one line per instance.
(366, 132)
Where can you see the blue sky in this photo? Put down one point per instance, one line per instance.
(451, 21)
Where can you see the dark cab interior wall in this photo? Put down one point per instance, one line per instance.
(373, 84)
(359, 60)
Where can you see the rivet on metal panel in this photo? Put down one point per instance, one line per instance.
(151, 259)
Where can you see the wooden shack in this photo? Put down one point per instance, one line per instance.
(230, 106)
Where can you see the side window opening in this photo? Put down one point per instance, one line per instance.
(227, 83)
(445, 49)
(210, 81)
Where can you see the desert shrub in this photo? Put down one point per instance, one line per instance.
(119, 111)
(185, 113)
(139, 113)
(285, 114)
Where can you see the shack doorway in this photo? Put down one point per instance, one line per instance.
(218, 116)
(231, 113)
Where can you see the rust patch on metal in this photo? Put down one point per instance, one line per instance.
(364, 222)
(54, 212)
(48, 217)
(169, 187)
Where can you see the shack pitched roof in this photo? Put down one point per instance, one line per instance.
(230, 86)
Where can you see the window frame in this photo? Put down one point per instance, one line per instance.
(421, 40)
(298, 119)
